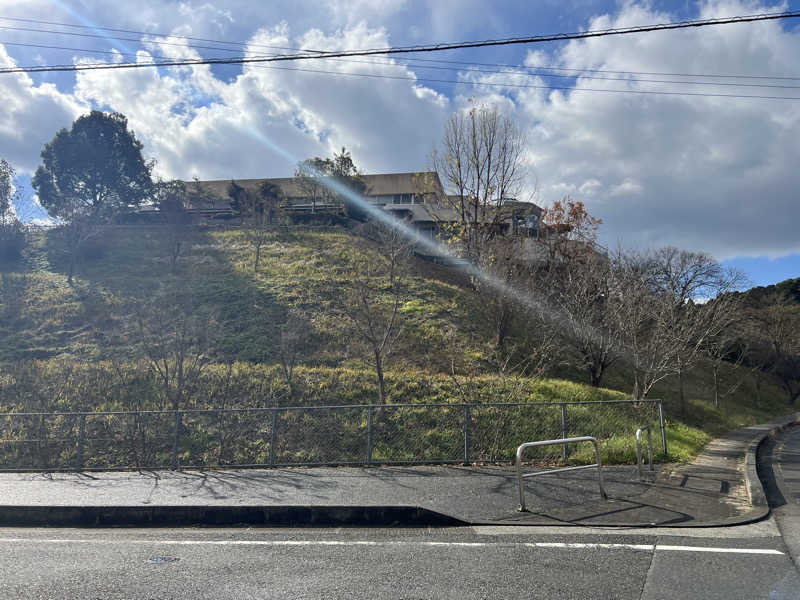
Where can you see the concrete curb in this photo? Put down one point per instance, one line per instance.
(755, 491)
(224, 516)
(755, 488)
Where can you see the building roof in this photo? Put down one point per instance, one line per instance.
(213, 194)
(381, 184)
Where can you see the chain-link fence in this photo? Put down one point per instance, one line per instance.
(321, 435)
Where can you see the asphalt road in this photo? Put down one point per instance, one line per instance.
(474, 562)
(745, 562)
(783, 491)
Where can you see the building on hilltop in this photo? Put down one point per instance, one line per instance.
(416, 198)
(391, 191)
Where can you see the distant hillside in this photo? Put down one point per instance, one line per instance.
(764, 295)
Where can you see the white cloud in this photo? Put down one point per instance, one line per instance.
(717, 174)
(30, 115)
(266, 119)
(590, 187)
(350, 12)
(628, 187)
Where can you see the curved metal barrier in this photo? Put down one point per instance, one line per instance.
(564, 442)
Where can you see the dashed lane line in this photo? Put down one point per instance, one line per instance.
(423, 544)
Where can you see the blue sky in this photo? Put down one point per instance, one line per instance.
(704, 172)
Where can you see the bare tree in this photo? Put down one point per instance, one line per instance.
(176, 338)
(310, 176)
(590, 298)
(681, 278)
(295, 333)
(375, 294)
(12, 234)
(650, 350)
(667, 319)
(258, 211)
(170, 198)
(727, 346)
(778, 330)
(480, 160)
(515, 305)
(6, 190)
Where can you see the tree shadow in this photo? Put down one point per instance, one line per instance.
(125, 265)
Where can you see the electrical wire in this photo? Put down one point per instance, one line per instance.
(420, 48)
(416, 65)
(150, 33)
(529, 86)
(535, 70)
(121, 39)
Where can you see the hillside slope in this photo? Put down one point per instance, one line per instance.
(444, 331)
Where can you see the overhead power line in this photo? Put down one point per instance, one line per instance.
(128, 39)
(529, 86)
(577, 70)
(414, 49)
(247, 44)
(510, 70)
(151, 33)
(244, 45)
(516, 69)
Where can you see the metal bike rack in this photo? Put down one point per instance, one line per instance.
(639, 450)
(563, 442)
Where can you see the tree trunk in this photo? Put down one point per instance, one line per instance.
(258, 257)
(681, 391)
(72, 260)
(758, 387)
(381, 384)
(716, 385)
(596, 375)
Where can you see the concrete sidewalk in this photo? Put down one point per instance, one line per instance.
(720, 487)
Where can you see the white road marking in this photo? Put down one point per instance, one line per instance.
(727, 550)
(544, 545)
(588, 546)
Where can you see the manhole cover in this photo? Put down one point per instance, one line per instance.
(157, 560)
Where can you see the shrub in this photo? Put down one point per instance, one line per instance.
(12, 240)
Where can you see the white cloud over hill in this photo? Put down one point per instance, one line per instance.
(712, 173)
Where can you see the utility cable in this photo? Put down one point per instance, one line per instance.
(510, 70)
(422, 48)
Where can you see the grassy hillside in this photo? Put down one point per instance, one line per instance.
(70, 328)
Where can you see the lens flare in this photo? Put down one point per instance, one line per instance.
(417, 238)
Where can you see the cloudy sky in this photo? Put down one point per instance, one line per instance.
(702, 164)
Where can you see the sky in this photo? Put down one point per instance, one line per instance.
(697, 165)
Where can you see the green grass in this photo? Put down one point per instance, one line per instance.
(42, 317)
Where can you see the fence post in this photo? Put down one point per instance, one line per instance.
(563, 430)
(177, 440)
(467, 419)
(370, 417)
(663, 426)
(81, 440)
(273, 436)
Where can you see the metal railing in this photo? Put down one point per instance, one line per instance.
(305, 435)
(639, 450)
(563, 442)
